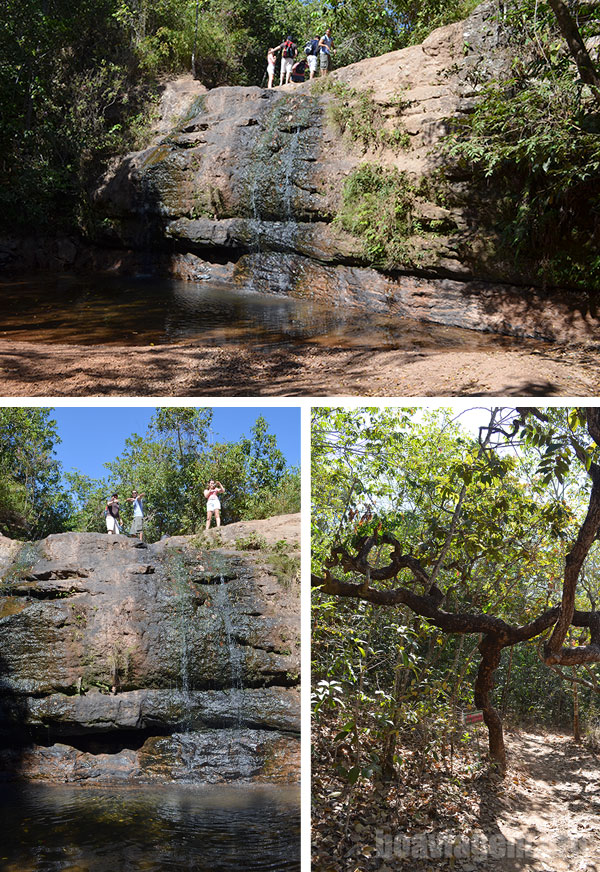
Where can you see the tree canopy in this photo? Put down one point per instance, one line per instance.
(493, 534)
(33, 499)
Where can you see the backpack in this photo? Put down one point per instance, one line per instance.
(311, 47)
(289, 49)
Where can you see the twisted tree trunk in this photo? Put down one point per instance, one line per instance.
(491, 650)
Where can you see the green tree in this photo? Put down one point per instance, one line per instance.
(89, 498)
(465, 533)
(152, 467)
(33, 501)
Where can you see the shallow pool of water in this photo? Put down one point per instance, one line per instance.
(60, 828)
(123, 311)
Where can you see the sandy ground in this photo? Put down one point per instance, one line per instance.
(43, 370)
(550, 805)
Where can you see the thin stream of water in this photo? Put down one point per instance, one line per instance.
(236, 656)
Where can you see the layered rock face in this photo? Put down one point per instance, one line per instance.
(246, 183)
(165, 662)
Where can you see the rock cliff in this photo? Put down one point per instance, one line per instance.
(246, 183)
(174, 661)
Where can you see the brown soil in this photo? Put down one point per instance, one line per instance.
(551, 804)
(31, 370)
(542, 817)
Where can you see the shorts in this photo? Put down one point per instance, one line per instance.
(286, 65)
(270, 69)
(324, 60)
(213, 504)
(313, 63)
(111, 524)
(137, 525)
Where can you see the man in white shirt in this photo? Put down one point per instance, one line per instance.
(325, 48)
(137, 525)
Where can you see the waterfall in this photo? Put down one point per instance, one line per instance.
(185, 615)
(289, 167)
(270, 181)
(234, 650)
(290, 228)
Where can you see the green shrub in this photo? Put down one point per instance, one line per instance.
(533, 146)
(252, 542)
(284, 565)
(360, 119)
(378, 206)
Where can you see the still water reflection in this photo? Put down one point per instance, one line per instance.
(124, 311)
(59, 828)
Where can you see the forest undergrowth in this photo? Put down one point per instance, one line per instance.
(452, 812)
(485, 513)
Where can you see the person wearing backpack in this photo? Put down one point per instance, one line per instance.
(311, 50)
(299, 71)
(325, 48)
(289, 50)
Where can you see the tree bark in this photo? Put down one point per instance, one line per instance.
(506, 687)
(576, 729)
(491, 650)
(570, 31)
(573, 563)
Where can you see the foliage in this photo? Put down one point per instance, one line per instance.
(33, 502)
(492, 527)
(70, 94)
(378, 206)
(284, 563)
(533, 143)
(252, 542)
(360, 119)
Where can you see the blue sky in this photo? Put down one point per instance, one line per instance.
(91, 436)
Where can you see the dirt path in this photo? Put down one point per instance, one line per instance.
(549, 804)
(38, 370)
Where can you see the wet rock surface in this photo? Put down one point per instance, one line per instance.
(108, 647)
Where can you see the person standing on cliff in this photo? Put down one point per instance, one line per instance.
(311, 49)
(271, 61)
(288, 53)
(211, 495)
(325, 48)
(113, 518)
(137, 525)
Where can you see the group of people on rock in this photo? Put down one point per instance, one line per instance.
(113, 517)
(317, 56)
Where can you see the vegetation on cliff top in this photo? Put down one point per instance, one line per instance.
(170, 464)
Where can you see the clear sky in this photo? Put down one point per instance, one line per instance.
(91, 436)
